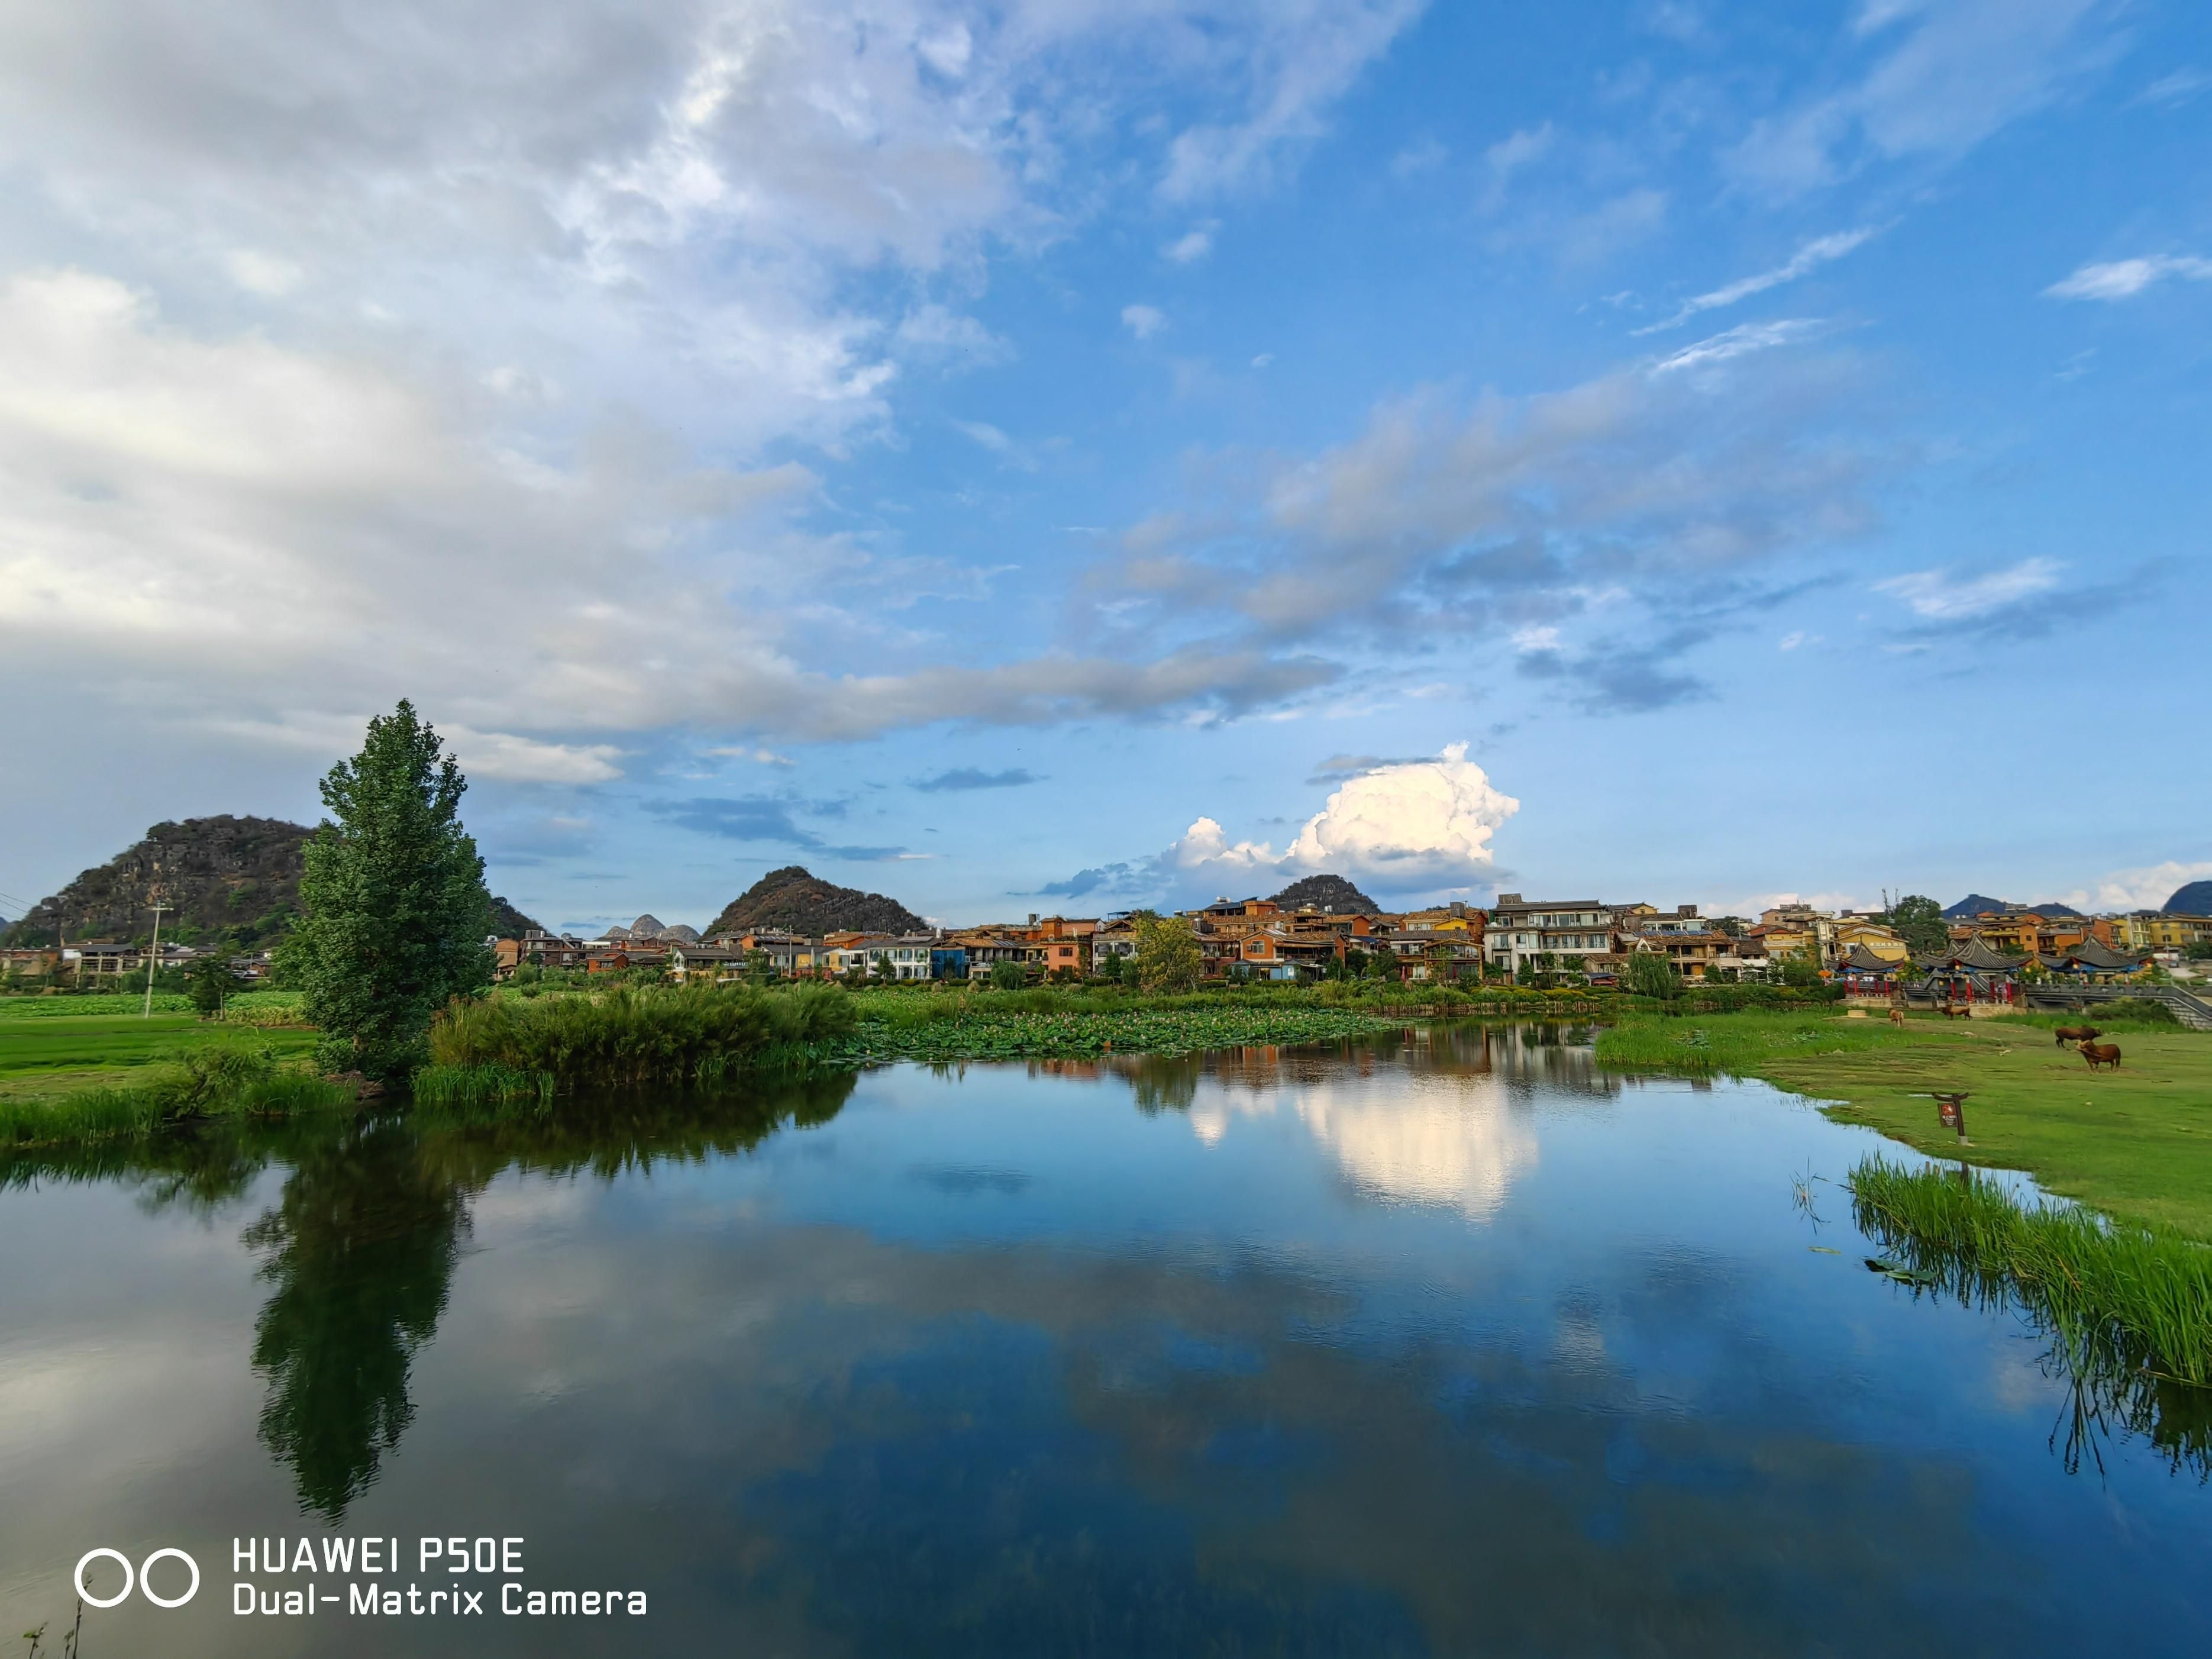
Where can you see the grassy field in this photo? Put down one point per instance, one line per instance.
(2135, 1143)
(56, 1054)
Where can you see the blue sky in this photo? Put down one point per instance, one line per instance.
(1067, 456)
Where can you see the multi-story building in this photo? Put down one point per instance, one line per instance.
(2025, 933)
(2159, 930)
(688, 963)
(1568, 931)
(1116, 937)
(904, 956)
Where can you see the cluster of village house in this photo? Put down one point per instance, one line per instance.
(1987, 958)
(1586, 940)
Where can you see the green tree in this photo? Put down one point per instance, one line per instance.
(1009, 975)
(396, 908)
(1801, 969)
(1650, 974)
(1168, 957)
(1109, 969)
(879, 967)
(1918, 920)
(2200, 951)
(209, 982)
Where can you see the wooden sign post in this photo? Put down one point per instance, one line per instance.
(1954, 1110)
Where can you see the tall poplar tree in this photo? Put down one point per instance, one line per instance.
(395, 903)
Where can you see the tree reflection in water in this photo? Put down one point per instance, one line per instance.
(361, 1248)
(363, 1240)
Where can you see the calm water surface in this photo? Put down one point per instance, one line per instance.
(1441, 1344)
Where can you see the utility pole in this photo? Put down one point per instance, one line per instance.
(153, 956)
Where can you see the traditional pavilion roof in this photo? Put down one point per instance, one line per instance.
(2101, 959)
(1973, 958)
(1864, 961)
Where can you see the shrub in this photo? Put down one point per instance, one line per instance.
(636, 1035)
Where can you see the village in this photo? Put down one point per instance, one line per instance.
(1990, 958)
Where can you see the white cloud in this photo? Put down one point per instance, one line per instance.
(285, 535)
(1941, 598)
(501, 755)
(2182, 84)
(2144, 888)
(1191, 247)
(1739, 341)
(758, 757)
(2123, 279)
(1418, 158)
(1263, 359)
(1963, 70)
(1143, 321)
(1508, 155)
(1815, 254)
(263, 274)
(1445, 514)
(936, 333)
(1306, 57)
(1414, 824)
(526, 760)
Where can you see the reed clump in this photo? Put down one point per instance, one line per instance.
(2118, 1296)
(517, 1048)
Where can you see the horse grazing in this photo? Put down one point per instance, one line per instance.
(2077, 1034)
(1896, 1015)
(1949, 1013)
(2101, 1053)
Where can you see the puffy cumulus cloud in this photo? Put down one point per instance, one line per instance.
(1410, 825)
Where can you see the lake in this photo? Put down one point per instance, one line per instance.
(1441, 1343)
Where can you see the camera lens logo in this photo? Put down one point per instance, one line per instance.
(142, 1577)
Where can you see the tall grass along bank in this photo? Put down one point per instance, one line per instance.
(2116, 1297)
(214, 1080)
(625, 1038)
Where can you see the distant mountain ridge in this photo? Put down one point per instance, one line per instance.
(795, 900)
(1326, 892)
(1975, 904)
(228, 881)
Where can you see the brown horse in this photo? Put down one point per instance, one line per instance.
(2101, 1053)
(2077, 1034)
(1949, 1013)
(1896, 1015)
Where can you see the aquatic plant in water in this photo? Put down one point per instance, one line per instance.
(2128, 1308)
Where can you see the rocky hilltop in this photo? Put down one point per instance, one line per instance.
(2194, 900)
(1333, 894)
(795, 901)
(230, 881)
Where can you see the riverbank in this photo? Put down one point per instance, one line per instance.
(2128, 1306)
(2135, 1143)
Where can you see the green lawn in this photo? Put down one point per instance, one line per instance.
(2135, 1143)
(55, 1054)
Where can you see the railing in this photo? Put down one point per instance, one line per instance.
(2191, 1011)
